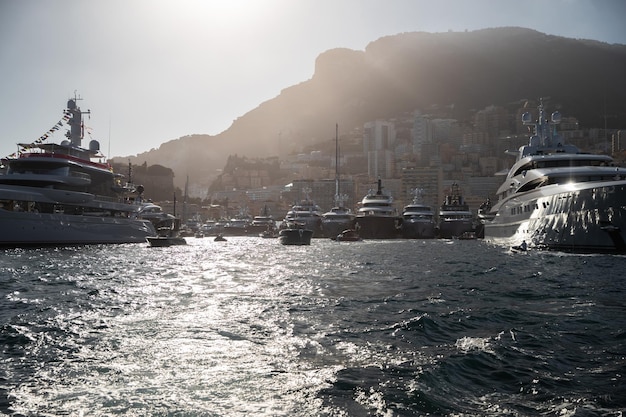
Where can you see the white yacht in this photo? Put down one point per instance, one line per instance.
(59, 194)
(418, 218)
(306, 213)
(377, 217)
(556, 197)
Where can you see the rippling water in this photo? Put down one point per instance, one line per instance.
(250, 327)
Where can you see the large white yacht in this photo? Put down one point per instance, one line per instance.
(305, 213)
(377, 217)
(59, 194)
(418, 218)
(556, 197)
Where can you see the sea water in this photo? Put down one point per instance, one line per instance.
(251, 327)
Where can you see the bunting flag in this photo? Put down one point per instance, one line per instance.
(67, 115)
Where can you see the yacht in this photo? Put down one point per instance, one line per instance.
(60, 194)
(307, 213)
(339, 217)
(418, 218)
(455, 216)
(263, 223)
(377, 217)
(556, 197)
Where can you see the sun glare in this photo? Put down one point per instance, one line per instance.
(223, 13)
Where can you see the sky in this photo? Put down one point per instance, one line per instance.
(151, 71)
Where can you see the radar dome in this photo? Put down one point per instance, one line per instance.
(94, 145)
(526, 117)
(71, 104)
(65, 143)
(556, 117)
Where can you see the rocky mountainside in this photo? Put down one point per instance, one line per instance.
(398, 74)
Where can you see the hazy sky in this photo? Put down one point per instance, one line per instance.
(154, 70)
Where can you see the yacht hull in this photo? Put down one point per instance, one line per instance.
(377, 227)
(584, 218)
(418, 230)
(449, 229)
(45, 229)
(332, 228)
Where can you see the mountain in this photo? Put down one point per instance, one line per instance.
(398, 74)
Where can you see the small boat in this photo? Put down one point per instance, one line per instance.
(219, 238)
(164, 241)
(348, 235)
(295, 234)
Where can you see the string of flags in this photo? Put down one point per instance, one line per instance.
(67, 115)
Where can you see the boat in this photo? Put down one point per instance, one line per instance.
(270, 233)
(418, 218)
(555, 197)
(165, 241)
(377, 218)
(64, 194)
(455, 216)
(307, 212)
(237, 226)
(348, 235)
(339, 217)
(262, 223)
(295, 233)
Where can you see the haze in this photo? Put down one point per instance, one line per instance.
(153, 70)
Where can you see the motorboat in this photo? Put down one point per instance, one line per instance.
(336, 220)
(262, 223)
(165, 241)
(307, 212)
(377, 217)
(237, 226)
(348, 235)
(294, 233)
(455, 216)
(64, 194)
(556, 197)
(418, 218)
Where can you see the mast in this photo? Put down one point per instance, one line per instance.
(337, 164)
